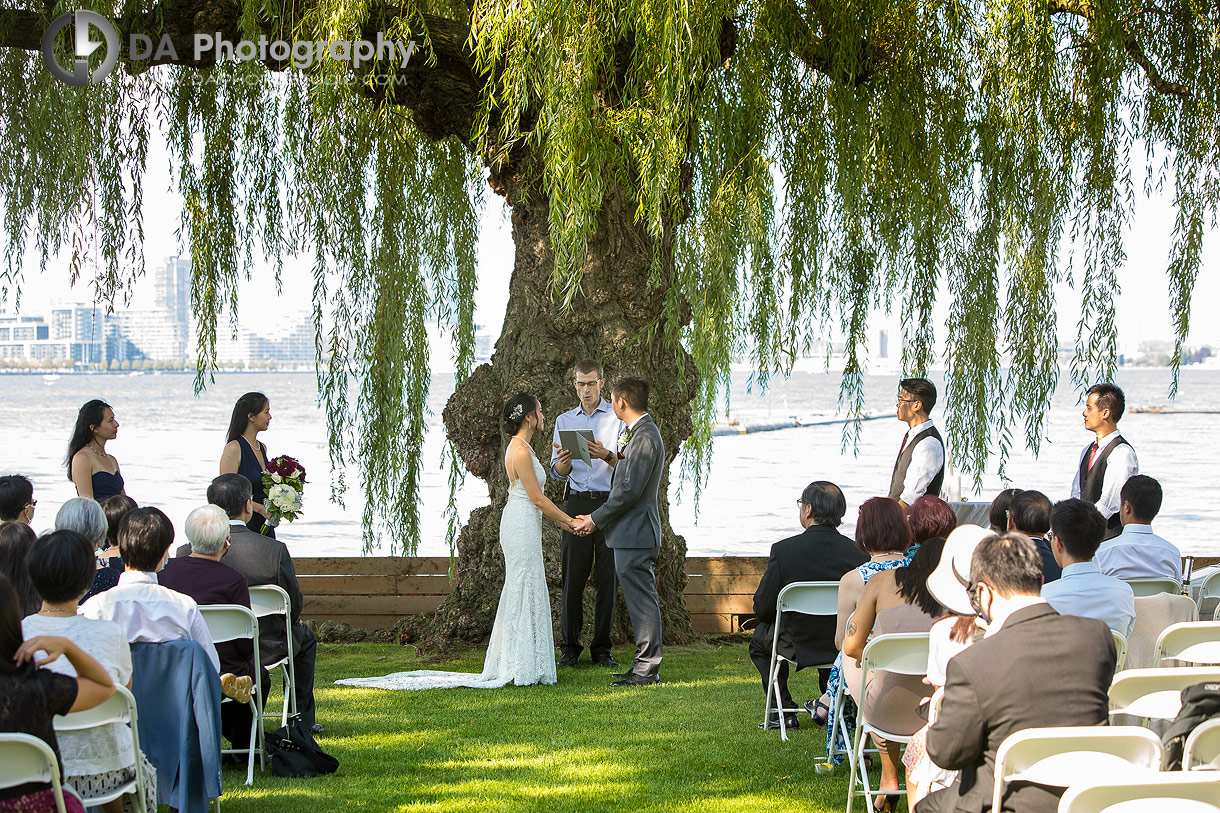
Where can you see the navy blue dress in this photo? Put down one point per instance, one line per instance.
(250, 469)
(105, 577)
(107, 485)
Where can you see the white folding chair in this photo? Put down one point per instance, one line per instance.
(1162, 793)
(271, 599)
(1196, 642)
(904, 653)
(806, 598)
(120, 709)
(1120, 650)
(1151, 585)
(1209, 591)
(1155, 694)
(1202, 750)
(232, 622)
(1060, 757)
(25, 758)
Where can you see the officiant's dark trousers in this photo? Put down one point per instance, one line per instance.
(580, 556)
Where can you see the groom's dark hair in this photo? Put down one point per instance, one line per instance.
(633, 390)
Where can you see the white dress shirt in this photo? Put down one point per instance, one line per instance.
(1082, 590)
(150, 613)
(1120, 466)
(606, 428)
(1138, 553)
(927, 459)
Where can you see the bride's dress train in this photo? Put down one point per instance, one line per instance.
(522, 645)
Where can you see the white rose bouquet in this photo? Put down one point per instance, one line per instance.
(284, 481)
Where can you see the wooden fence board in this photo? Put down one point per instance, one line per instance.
(369, 605)
(372, 565)
(375, 585)
(719, 585)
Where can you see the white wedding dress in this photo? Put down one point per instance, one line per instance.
(522, 645)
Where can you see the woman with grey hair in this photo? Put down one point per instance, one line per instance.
(86, 517)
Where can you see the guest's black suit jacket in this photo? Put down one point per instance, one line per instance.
(821, 553)
(1040, 669)
(263, 560)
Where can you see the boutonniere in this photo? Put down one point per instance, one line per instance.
(624, 438)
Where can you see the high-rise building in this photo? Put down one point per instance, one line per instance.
(172, 288)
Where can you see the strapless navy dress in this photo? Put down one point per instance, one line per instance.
(106, 485)
(252, 471)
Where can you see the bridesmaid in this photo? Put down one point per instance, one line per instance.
(246, 455)
(93, 471)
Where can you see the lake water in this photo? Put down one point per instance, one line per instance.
(170, 441)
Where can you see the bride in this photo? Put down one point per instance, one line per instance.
(522, 646)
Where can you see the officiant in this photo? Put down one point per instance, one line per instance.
(587, 487)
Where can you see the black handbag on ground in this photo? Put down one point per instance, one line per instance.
(1200, 703)
(294, 753)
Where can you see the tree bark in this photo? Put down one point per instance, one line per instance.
(616, 319)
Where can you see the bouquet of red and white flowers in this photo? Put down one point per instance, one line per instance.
(284, 481)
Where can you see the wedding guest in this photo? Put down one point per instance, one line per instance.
(97, 760)
(929, 517)
(93, 470)
(893, 601)
(116, 508)
(17, 499)
(1029, 514)
(920, 467)
(998, 513)
(1077, 529)
(86, 517)
(882, 533)
(246, 455)
(821, 553)
(1137, 552)
(1107, 462)
(32, 696)
(145, 610)
(16, 542)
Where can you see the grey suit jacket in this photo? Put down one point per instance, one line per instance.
(263, 560)
(630, 515)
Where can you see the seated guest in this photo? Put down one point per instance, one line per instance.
(97, 760)
(1077, 528)
(86, 517)
(1034, 668)
(17, 499)
(929, 517)
(145, 610)
(997, 515)
(202, 576)
(33, 696)
(893, 601)
(116, 507)
(263, 560)
(1137, 552)
(1029, 513)
(821, 553)
(16, 541)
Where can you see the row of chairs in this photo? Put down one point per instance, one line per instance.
(1209, 591)
(24, 758)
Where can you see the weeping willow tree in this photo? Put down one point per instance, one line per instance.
(689, 182)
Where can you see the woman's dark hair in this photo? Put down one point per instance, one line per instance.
(997, 515)
(91, 414)
(10, 630)
(912, 580)
(62, 566)
(249, 404)
(928, 517)
(528, 404)
(16, 540)
(145, 534)
(881, 527)
(115, 508)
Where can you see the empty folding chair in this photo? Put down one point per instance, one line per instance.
(1152, 585)
(1163, 793)
(232, 622)
(1155, 694)
(1120, 650)
(1193, 642)
(25, 758)
(1209, 597)
(1060, 757)
(121, 709)
(271, 599)
(806, 598)
(1202, 750)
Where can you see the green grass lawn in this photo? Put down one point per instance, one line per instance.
(688, 744)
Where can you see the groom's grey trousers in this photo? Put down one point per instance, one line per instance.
(637, 578)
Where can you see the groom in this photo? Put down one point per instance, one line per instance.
(632, 521)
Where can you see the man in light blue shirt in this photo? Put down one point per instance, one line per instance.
(588, 486)
(1138, 553)
(1077, 528)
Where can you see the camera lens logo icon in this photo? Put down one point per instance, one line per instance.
(85, 45)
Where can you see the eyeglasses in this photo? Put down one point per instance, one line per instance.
(583, 384)
(800, 502)
(902, 400)
(31, 503)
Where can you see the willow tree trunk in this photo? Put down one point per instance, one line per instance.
(617, 319)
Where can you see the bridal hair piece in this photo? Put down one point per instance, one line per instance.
(516, 410)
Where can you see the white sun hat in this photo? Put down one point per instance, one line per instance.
(950, 581)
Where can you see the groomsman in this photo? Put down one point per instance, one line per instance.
(920, 467)
(588, 486)
(1109, 461)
